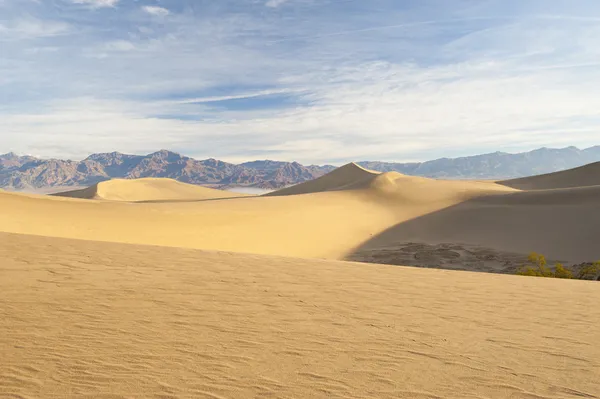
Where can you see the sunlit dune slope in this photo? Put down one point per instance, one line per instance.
(84, 319)
(403, 189)
(588, 175)
(147, 189)
(338, 179)
(326, 224)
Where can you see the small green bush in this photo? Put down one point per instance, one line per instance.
(588, 272)
(561, 272)
(537, 266)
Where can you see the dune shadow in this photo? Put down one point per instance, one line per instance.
(498, 230)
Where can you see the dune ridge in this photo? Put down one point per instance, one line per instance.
(339, 179)
(347, 212)
(333, 216)
(584, 176)
(146, 189)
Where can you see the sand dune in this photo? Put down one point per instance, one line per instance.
(350, 213)
(326, 224)
(99, 320)
(584, 176)
(347, 213)
(147, 189)
(339, 179)
(102, 317)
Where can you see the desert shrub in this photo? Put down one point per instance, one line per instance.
(590, 271)
(561, 272)
(538, 267)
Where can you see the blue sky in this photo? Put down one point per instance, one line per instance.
(317, 81)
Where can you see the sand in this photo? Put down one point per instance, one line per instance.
(101, 320)
(584, 176)
(147, 189)
(562, 224)
(154, 290)
(351, 211)
(328, 224)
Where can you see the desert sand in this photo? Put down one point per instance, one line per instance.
(350, 211)
(584, 176)
(84, 319)
(147, 189)
(141, 289)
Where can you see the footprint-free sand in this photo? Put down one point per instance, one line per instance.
(151, 289)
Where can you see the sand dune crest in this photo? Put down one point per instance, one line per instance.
(339, 179)
(584, 176)
(147, 189)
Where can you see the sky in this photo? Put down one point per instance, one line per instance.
(314, 81)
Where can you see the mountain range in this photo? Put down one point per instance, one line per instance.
(30, 173)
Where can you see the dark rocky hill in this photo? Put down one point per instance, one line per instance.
(26, 172)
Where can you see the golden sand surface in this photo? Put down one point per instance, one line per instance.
(150, 289)
(328, 224)
(83, 319)
(584, 176)
(350, 211)
(146, 189)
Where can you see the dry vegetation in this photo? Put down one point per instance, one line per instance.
(537, 266)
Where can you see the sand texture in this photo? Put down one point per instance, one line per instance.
(101, 320)
(155, 289)
(329, 224)
(348, 212)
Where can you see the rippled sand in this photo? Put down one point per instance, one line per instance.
(82, 319)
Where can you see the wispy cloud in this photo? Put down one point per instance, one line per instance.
(31, 28)
(97, 3)
(275, 3)
(314, 80)
(155, 10)
(249, 95)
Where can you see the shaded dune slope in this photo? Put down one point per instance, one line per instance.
(147, 189)
(563, 224)
(584, 176)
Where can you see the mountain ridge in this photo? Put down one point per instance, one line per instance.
(27, 172)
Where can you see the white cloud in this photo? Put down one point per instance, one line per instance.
(371, 83)
(97, 3)
(375, 111)
(31, 28)
(261, 93)
(275, 3)
(119, 45)
(155, 10)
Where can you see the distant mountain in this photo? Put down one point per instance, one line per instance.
(26, 172)
(497, 165)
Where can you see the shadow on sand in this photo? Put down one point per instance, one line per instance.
(562, 224)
